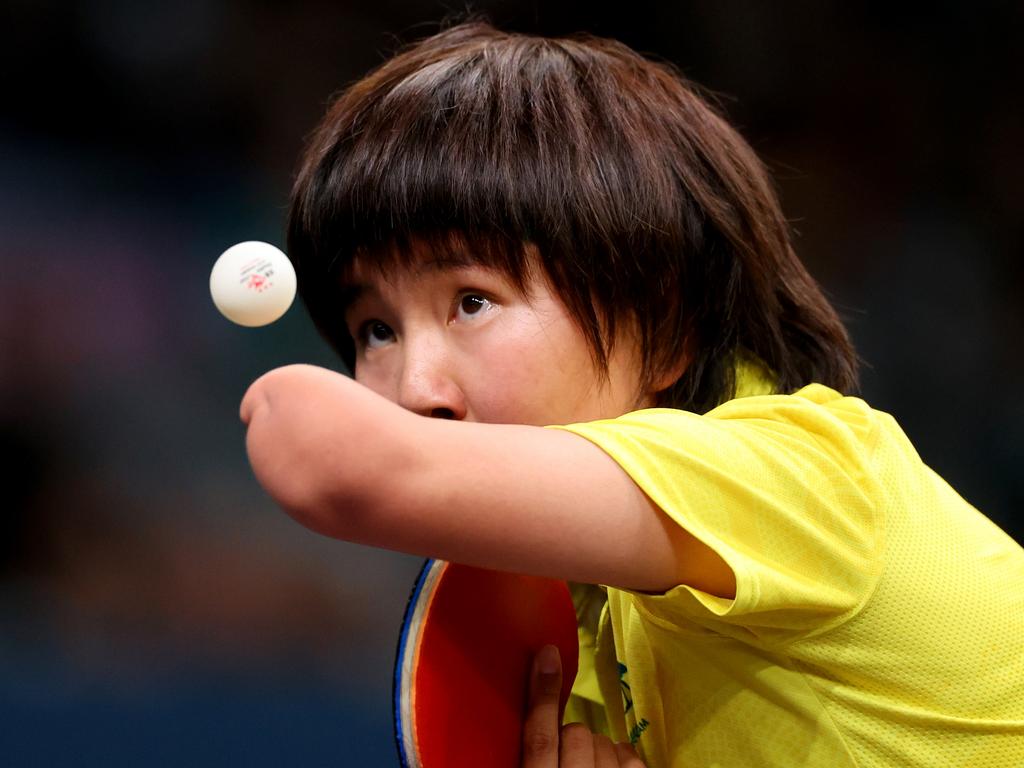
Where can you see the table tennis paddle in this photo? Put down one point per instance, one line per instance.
(464, 658)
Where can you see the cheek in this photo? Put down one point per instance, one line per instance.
(378, 380)
(502, 390)
(526, 382)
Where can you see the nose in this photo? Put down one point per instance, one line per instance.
(428, 384)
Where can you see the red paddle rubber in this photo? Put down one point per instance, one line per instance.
(464, 659)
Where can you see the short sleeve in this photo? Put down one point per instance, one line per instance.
(781, 487)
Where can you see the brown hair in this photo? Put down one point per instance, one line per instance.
(643, 204)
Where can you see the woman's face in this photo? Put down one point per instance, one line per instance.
(457, 340)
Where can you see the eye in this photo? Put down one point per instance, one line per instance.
(374, 334)
(472, 305)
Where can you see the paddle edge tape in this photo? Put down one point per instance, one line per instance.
(405, 661)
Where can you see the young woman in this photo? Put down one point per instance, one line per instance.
(501, 233)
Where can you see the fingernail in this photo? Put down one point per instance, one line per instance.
(548, 662)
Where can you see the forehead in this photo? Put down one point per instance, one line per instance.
(363, 276)
(365, 271)
(371, 271)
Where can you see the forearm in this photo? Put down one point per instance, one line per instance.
(521, 498)
(352, 465)
(511, 497)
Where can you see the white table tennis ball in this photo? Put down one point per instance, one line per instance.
(252, 283)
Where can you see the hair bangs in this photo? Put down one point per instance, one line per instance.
(470, 154)
(437, 151)
(642, 208)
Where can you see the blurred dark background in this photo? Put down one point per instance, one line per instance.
(155, 607)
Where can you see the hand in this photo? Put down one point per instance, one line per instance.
(545, 745)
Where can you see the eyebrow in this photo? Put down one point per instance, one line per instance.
(350, 294)
(442, 263)
(353, 292)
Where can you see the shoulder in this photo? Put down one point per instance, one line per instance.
(768, 461)
(833, 421)
(815, 421)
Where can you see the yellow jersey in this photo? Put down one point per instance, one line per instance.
(878, 618)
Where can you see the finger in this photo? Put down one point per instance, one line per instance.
(604, 752)
(627, 756)
(576, 748)
(541, 726)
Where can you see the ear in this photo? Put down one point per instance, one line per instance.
(673, 370)
(669, 376)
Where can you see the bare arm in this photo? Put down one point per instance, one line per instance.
(352, 465)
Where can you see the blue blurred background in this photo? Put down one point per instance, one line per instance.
(155, 608)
